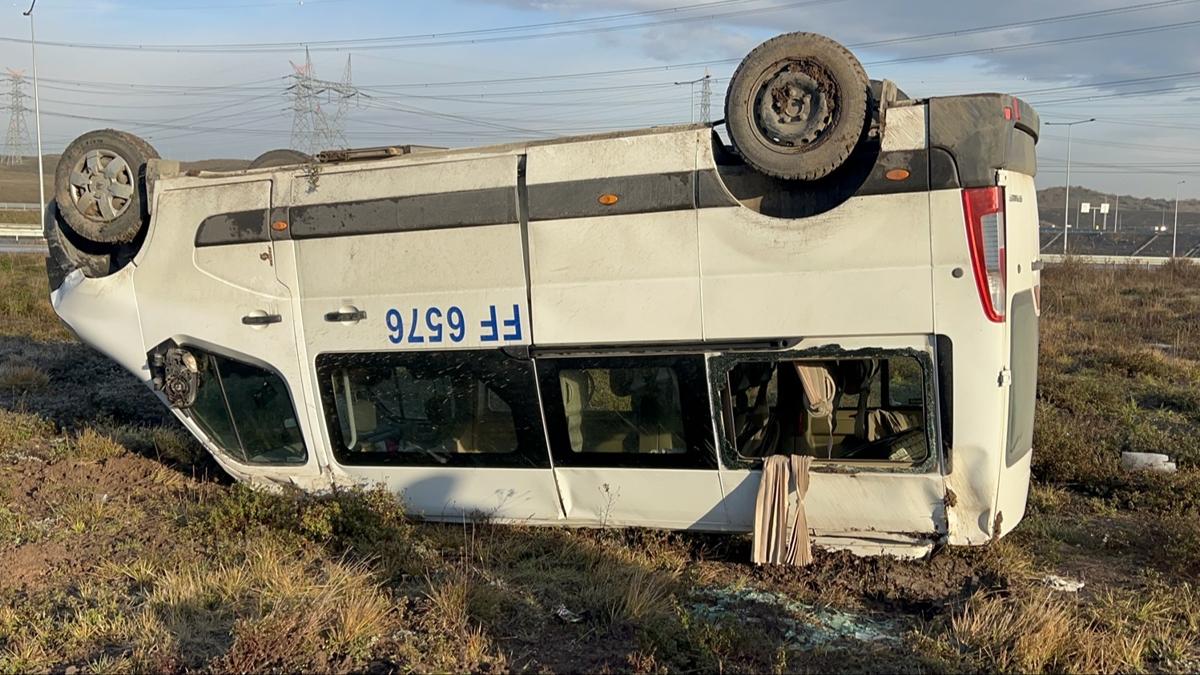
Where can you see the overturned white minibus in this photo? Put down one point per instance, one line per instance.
(600, 330)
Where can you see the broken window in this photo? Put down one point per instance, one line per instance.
(475, 408)
(628, 411)
(247, 411)
(830, 409)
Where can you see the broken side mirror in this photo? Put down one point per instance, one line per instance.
(176, 374)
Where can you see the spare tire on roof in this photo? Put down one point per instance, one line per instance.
(100, 186)
(797, 106)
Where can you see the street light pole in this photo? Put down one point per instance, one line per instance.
(37, 119)
(1067, 199)
(692, 92)
(1175, 230)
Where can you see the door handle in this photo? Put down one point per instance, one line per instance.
(346, 314)
(260, 318)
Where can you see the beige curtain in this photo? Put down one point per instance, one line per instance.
(819, 388)
(776, 540)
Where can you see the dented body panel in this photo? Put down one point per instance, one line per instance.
(645, 247)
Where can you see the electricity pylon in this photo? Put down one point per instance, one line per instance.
(315, 128)
(17, 142)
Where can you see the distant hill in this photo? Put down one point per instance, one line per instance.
(1136, 213)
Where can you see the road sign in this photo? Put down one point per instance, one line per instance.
(1085, 207)
(1104, 208)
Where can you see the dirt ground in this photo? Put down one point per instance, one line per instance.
(123, 548)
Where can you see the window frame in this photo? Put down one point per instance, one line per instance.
(722, 364)
(695, 408)
(241, 457)
(530, 451)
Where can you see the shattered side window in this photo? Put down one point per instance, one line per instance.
(470, 408)
(833, 409)
(247, 411)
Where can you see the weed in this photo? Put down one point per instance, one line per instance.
(92, 445)
(22, 377)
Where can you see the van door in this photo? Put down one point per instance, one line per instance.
(414, 302)
(875, 482)
(206, 277)
(1023, 287)
(632, 440)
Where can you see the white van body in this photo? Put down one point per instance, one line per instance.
(653, 250)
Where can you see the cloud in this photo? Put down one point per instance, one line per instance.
(856, 22)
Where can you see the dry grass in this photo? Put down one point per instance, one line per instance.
(270, 606)
(24, 299)
(18, 217)
(130, 560)
(22, 377)
(1027, 633)
(25, 434)
(92, 445)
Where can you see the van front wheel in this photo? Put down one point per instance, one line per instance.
(797, 106)
(99, 185)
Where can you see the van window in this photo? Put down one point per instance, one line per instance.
(467, 408)
(247, 411)
(628, 411)
(842, 410)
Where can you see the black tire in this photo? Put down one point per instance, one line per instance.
(67, 251)
(280, 157)
(100, 185)
(797, 106)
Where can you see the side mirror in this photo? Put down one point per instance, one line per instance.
(177, 375)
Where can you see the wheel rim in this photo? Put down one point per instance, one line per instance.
(795, 105)
(102, 185)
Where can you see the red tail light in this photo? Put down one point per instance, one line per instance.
(984, 212)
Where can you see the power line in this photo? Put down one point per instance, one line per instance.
(1026, 24)
(881, 62)
(480, 36)
(1110, 83)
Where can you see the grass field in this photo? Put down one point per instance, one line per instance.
(123, 548)
(22, 217)
(19, 183)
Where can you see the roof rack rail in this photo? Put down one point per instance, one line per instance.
(379, 152)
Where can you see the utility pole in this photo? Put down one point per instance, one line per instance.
(1067, 199)
(314, 129)
(1117, 216)
(705, 96)
(37, 119)
(17, 143)
(1175, 230)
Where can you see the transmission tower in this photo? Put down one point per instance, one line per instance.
(17, 142)
(314, 127)
(706, 97)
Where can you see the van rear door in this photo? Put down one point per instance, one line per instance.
(1023, 287)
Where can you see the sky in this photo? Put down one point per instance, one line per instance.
(211, 79)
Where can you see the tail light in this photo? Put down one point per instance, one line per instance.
(984, 211)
